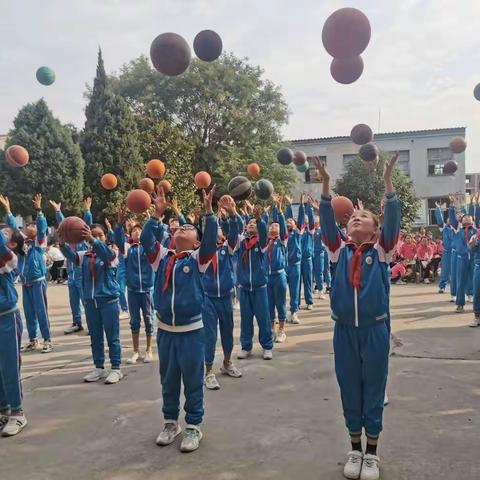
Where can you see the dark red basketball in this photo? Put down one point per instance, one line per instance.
(361, 134)
(458, 145)
(138, 201)
(368, 152)
(16, 156)
(285, 156)
(346, 70)
(170, 54)
(346, 33)
(71, 230)
(476, 92)
(343, 209)
(450, 167)
(207, 45)
(299, 158)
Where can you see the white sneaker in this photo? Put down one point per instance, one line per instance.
(453, 299)
(267, 354)
(124, 315)
(95, 375)
(294, 318)
(385, 400)
(114, 377)
(236, 306)
(148, 357)
(231, 370)
(15, 424)
(370, 467)
(322, 296)
(309, 307)
(171, 430)
(353, 466)
(134, 358)
(211, 382)
(191, 440)
(281, 336)
(426, 281)
(401, 282)
(475, 322)
(244, 354)
(3, 421)
(47, 346)
(470, 298)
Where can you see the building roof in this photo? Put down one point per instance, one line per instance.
(379, 136)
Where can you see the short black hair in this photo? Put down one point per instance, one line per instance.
(98, 225)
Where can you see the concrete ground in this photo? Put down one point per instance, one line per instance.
(281, 420)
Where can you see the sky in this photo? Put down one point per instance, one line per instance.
(421, 65)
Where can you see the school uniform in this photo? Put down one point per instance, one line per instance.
(475, 252)
(319, 259)
(178, 300)
(360, 309)
(306, 266)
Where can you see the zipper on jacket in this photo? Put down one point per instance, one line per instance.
(218, 272)
(355, 296)
(173, 295)
(250, 268)
(139, 269)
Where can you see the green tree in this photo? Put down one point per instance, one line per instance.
(55, 168)
(358, 182)
(109, 144)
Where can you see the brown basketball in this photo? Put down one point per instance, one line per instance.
(299, 158)
(207, 45)
(138, 201)
(203, 179)
(16, 156)
(253, 169)
(361, 134)
(450, 167)
(147, 185)
(109, 181)
(71, 230)
(166, 186)
(170, 54)
(346, 70)
(458, 145)
(343, 209)
(156, 168)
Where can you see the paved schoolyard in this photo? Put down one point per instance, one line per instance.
(282, 420)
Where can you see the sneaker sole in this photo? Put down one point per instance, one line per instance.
(225, 372)
(169, 443)
(213, 388)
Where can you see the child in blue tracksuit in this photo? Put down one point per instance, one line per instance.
(307, 253)
(32, 270)
(100, 295)
(139, 275)
(360, 309)
(12, 417)
(475, 252)
(319, 266)
(447, 240)
(178, 300)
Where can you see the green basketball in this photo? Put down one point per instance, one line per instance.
(45, 75)
(263, 189)
(302, 168)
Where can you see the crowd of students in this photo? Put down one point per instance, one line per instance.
(183, 279)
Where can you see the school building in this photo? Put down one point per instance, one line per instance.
(422, 154)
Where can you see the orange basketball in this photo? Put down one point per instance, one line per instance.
(109, 181)
(156, 168)
(458, 145)
(343, 209)
(147, 185)
(253, 169)
(165, 185)
(203, 179)
(71, 230)
(138, 201)
(16, 156)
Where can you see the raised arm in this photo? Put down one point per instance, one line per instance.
(105, 253)
(69, 253)
(311, 217)
(42, 227)
(87, 213)
(8, 260)
(439, 217)
(10, 219)
(119, 238)
(208, 245)
(452, 215)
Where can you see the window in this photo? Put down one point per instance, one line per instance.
(310, 174)
(403, 161)
(437, 158)
(431, 205)
(347, 158)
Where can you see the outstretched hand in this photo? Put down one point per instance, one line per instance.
(5, 202)
(160, 202)
(37, 201)
(87, 203)
(56, 206)
(387, 173)
(208, 200)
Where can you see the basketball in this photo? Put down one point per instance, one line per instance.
(450, 167)
(361, 134)
(346, 33)
(16, 156)
(458, 145)
(368, 152)
(476, 92)
(166, 186)
(263, 189)
(45, 76)
(147, 185)
(203, 179)
(299, 158)
(285, 156)
(207, 45)
(239, 188)
(71, 230)
(346, 70)
(109, 181)
(343, 209)
(253, 169)
(170, 54)
(155, 168)
(303, 167)
(138, 201)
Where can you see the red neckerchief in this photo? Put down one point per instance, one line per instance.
(249, 244)
(91, 264)
(215, 259)
(170, 266)
(466, 234)
(271, 244)
(171, 245)
(355, 272)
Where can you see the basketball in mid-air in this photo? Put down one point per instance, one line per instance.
(346, 70)
(207, 45)
(16, 156)
(361, 134)
(138, 201)
(170, 54)
(239, 188)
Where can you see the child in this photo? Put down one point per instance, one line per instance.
(359, 302)
(178, 299)
(399, 272)
(32, 270)
(12, 417)
(320, 267)
(100, 294)
(139, 278)
(306, 266)
(424, 257)
(475, 251)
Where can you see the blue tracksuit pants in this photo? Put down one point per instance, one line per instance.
(318, 268)
(464, 278)
(100, 319)
(446, 265)
(277, 295)
(307, 277)
(141, 303)
(35, 308)
(255, 303)
(361, 367)
(476, 289)
(293, 275)
(122, 283)
(327, 277)
(75, 296)
(10, 338)
(181, 358)
(453, 274)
